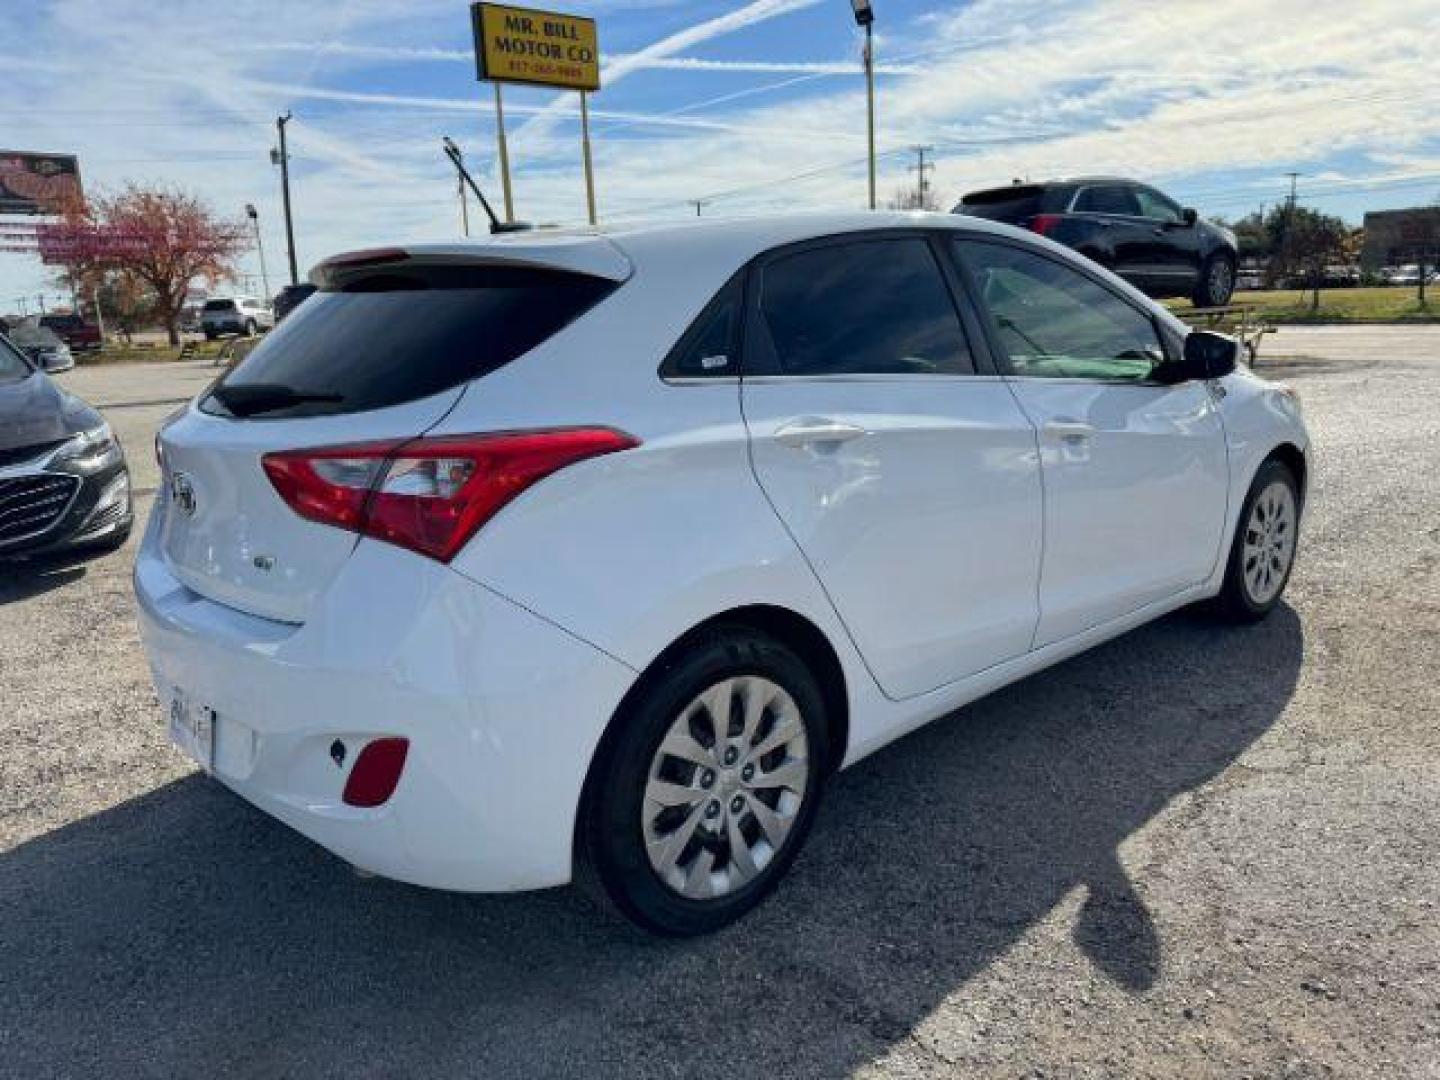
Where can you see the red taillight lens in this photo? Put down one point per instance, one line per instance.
(1045, 224)
(376, 773)
(429, 495)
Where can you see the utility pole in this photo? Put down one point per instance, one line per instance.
(1289, 224)
(281, 157)
(697, 203)
(921, 168)
(865, 18)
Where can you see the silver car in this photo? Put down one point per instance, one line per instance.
(235, 315)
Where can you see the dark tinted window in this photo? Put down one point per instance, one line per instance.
(219, 305)
(868, 307)
(404, 334)
(1107, 200)
(1055, 322)
(708, 347)
(13, 367)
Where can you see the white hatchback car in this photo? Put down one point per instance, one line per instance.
(246, 315)
(500, 558)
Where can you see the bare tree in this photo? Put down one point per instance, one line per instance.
(911, 198)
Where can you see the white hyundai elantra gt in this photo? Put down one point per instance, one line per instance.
(497, 558)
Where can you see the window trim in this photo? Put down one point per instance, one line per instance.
(759, 363)
(996, 345)
(737, 281)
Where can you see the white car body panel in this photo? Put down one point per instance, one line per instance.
(505, 667)
(934, 512)
(1136, 484)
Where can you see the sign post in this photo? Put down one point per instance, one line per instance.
(537, 48)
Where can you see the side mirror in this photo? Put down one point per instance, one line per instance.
(1208, 355)
(1190, 216)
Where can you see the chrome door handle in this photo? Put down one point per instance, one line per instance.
(815, 429)
(1068, 430)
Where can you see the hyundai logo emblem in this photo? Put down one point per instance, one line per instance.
(182, 491)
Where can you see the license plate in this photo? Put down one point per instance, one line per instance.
(192, 729)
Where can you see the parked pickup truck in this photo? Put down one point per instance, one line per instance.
(73, 330)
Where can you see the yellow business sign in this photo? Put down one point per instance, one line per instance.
(521, 45)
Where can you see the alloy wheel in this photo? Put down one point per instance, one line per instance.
(725, 787)
(1269, 542)
(1220, 280)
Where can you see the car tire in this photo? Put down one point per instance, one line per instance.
(682, 864)
(1262, 552)
(250, 328)
(210, 335)
(1217, 281)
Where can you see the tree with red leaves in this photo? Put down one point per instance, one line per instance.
(170, 239)
(162, 239)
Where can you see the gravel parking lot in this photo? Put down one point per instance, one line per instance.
(1198, 850)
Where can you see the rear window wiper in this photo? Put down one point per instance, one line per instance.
(251, 399)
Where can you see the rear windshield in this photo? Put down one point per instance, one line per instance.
(1018, 202)
(399, 335)
(219, 305)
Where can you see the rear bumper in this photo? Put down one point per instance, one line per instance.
(503, 711)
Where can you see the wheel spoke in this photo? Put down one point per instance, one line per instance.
(791, 774)
(756, 702)
(717, 703)
(741, 857)
(787, 727)
(771, 824)
(681, 744)
(697, 877)
(665, 793)
(665, 851)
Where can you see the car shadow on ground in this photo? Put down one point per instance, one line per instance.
(183, 933)
(22, 579)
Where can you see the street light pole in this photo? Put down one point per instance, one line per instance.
(281, 157)
(254, 216)
(865, 16)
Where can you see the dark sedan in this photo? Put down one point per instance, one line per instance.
(63, 479)
(1128, 227)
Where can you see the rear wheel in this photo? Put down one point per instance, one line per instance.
(1217, 281)
(705, 795)
(250, 328)
(1263, 551)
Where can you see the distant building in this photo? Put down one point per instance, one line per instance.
(1398, 237)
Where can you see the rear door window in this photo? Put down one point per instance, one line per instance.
(1107, 199)
(403, 333)
(876, 307)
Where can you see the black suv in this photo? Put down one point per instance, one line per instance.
(1125, 226)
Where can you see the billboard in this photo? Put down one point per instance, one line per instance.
(539, 48)
(37, 183)
(1401, 236)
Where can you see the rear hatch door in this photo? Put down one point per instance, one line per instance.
(381, 353)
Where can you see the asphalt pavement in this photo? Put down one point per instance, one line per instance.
(1199, 850)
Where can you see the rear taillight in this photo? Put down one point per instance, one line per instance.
(428, 495)
(1045, 224)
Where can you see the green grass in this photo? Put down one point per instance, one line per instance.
(117, 352)
(1336, 305)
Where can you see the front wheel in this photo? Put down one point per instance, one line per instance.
(707, 790)
(1263, 551)
(1217, 281)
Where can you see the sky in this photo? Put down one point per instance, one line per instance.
(746, 107)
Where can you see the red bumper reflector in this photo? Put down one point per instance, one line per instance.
(376, 772)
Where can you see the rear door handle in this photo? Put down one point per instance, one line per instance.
(814, 430)
(1068, 430)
